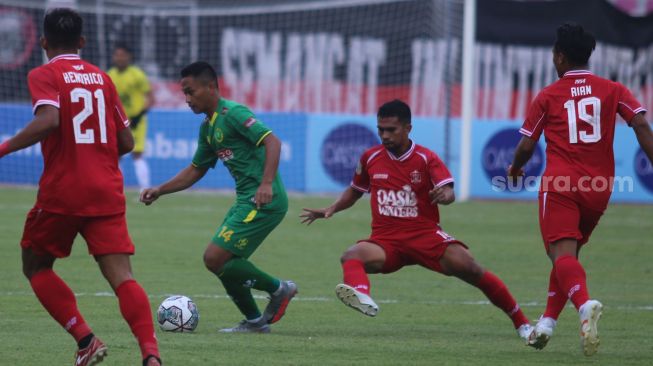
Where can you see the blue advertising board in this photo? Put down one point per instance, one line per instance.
(171, 143)
(493, 144)
(336, 142)
(320, 153)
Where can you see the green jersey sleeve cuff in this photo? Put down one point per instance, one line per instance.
(258, 143)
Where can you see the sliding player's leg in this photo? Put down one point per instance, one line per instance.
(362, 258)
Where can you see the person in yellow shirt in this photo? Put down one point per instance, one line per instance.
(136, 96)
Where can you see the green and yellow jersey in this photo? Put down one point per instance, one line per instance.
(132, 87)
(234, 135)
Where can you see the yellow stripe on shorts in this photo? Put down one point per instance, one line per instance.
(250, 216)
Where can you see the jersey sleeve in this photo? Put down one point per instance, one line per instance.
(628, 106)
(204, 156)
(116, 108)
(440, 175)
(245, 123)
(535, 118)
(361, 180)
(42, 88)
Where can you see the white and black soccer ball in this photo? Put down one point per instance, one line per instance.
(178, 314)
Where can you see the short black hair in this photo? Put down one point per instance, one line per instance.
(202, 71)
(123, 46)
(62, 28)
(575, 43)
(395, 108)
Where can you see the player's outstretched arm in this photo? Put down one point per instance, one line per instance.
(45, 121)
(523, 153)
(644, 134)
(272, 153)
(184, 179)
(346, 200)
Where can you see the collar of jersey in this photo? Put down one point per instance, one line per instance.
(577, 73)
(406, 155)
(67, 56)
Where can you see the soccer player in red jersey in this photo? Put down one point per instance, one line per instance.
(83, 130)
(577, 115)
(407, 182)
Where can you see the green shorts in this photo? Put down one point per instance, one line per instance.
(244, 229)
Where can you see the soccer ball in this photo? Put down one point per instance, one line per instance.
(178, 314)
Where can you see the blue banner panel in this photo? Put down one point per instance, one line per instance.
(172, 140)
(24, 166)
(171, 144)
(336, 142)
(493, 144)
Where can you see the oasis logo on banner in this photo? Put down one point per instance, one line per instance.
(498, 153)
(644, 169)
(342, 149)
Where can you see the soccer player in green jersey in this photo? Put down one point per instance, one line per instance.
(230, 132)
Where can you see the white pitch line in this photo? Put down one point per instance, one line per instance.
(331, 299)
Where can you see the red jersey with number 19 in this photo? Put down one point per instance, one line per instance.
(81, 175)
(399, 187)
(577, 114)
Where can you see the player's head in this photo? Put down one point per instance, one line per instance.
(62, 31)
(572, 48)
(393, 124)
(199, 82)
(122, 55)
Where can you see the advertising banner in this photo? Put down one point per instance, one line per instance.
(336, 143)
(171, 144)
(493, 150)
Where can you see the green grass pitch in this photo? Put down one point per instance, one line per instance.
(424, 319)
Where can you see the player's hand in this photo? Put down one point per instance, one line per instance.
(438, 195)
(514, 174)
(149, 195)
(263, 195)
(310, 214)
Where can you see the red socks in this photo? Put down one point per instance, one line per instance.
(135, 308)
(354, 275)
(59, 300)
(498, 294)
(556, 299)
(571, 279)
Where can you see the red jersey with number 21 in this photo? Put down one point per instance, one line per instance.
(399, 187)
(81, 175)
(577, 114)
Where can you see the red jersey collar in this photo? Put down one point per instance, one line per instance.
(405, 156)
(67, 56)
(577, 73)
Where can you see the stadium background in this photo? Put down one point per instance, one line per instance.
(316, 71)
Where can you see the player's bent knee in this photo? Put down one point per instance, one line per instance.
(352, 254)
(459, 262)
(33, 264)
(213, 263)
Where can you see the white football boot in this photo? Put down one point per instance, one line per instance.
(357, 300)
(590, 313)
(543, 332)
(526, 332)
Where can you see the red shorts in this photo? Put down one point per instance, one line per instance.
(423, 247)
(50, 233)
(563, 218)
